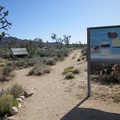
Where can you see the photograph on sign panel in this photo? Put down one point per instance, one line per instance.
(95, 48)
(105, 44)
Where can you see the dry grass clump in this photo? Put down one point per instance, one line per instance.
(40, 69)
(7, 101)
(106, 92)
(76, 70)
(69, 75)
(70, 71)
(106, 79)
(16, 90)
(8, 98)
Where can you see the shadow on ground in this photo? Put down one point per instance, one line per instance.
(78, 113)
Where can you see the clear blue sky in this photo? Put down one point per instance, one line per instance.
(40, 18)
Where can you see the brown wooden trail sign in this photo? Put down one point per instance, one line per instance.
(18, 51)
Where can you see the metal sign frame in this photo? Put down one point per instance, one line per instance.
(107, 51)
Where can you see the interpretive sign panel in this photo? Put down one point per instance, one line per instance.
(104, 43)
(19, 51)
(103, 52)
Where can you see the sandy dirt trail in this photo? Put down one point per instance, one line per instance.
(51, 99)
(56, 98)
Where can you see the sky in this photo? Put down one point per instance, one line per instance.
(40, 18)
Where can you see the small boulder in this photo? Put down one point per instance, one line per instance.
(19, 105)
(19, 99)
(26, 94)
(10, 118)
(22, 97)
(14, 110)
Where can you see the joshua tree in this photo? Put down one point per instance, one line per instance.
(4, 23)
(61, 41)
(66, 40)
(39, 42)
(54, 37)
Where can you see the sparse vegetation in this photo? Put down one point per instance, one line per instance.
(50, 62)
(106, 79)
(76, 70)
(70, 71)
(78, 59)
(16, 90)
(6, 103)
(7, 70)
(69, 75)
(39, 69)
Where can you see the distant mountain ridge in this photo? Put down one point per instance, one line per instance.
(5, 41)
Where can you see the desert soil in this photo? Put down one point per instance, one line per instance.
(56, 98)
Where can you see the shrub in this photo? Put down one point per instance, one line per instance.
(61, 58)
(55, 58)
(31, 72)
(106, 79)
(16, 90)
(7, 70)
(21, 63)
(83, 58)
(68, 69)
(39, 70)
(12, 74)
(50, 62)
(76, 70)
(78, 59)
(69, 75)
(1, 60)
(2, 65)
(109, 79)
(6, 103)
(9, 64)
(94, 77)
(83, 51)
(47, 70)
(42, 71)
